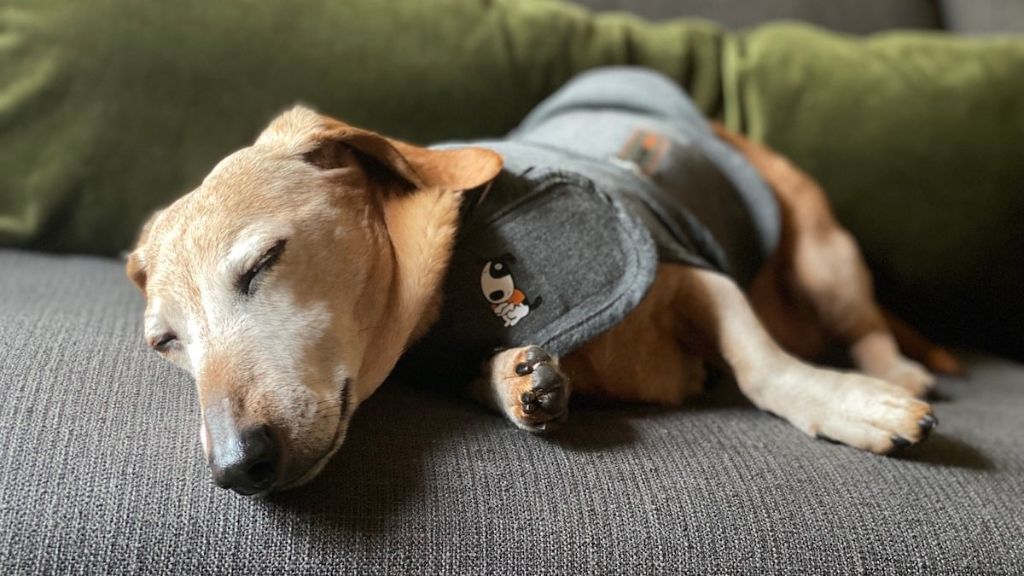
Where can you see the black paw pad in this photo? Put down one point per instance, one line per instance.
(546, 401)
(536, 355)
(546, 379)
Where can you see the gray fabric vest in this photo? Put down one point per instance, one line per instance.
(611, 175)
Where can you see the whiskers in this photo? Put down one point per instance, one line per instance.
(335, 407)
(328, 409)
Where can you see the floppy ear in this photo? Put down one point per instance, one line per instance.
(135, 267)
(325, 142)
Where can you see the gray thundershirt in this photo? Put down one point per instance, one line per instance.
(612, 174)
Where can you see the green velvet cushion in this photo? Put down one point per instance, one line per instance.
(919, 140)
(110, 108)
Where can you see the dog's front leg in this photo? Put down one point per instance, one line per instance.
(854, 409)
(527, 386)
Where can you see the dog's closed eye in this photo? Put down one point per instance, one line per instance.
(164, 342)
(247, 281)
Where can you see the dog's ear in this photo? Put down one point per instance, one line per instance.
(327, 143)
(135, 266)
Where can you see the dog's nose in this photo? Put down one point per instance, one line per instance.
(247, 462)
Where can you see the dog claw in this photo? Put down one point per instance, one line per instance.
(926, 423)
(549, 402)
(899, 443)
(522, 369)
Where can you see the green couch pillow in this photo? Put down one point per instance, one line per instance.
(110, 108)
(919, 140)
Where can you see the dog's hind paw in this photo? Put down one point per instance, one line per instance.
(910, 376)
(535, 393)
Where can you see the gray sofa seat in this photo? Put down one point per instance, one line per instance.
(102, 473)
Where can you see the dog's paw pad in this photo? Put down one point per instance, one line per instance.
(539, 391)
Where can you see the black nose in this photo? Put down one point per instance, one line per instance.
(246, 463)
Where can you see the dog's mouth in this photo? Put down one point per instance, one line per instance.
(344, 406)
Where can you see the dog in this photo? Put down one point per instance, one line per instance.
(305, 267)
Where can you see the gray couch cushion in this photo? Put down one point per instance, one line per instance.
(854, 16)
(102, 473)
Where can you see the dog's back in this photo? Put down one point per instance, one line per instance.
(612, 175)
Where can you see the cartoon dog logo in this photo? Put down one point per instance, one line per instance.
(508, 302)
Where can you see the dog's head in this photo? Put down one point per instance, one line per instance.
(291, 280)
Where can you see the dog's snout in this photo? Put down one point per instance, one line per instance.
(246, 462)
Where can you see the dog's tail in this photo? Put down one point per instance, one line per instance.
(934, 357)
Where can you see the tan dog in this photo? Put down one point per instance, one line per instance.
(292, 280)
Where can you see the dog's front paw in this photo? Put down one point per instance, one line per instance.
(536, 393)
(876, 416)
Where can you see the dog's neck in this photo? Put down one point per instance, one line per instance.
(422, 228)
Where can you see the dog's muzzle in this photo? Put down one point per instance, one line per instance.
(246, 461)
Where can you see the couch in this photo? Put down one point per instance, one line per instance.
(102, 471)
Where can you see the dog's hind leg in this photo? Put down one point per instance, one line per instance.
(851, 408)
(828, 272)
(819, 280)
(527, 386)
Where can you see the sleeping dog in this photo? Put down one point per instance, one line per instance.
(616, 244)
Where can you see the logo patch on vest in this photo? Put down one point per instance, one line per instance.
(645, 150)
(509, 303)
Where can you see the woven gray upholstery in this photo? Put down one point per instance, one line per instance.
(102, 473)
